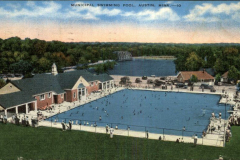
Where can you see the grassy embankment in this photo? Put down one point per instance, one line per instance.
(52, 143)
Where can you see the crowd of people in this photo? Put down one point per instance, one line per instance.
(19, 120)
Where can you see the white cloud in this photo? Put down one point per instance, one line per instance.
(49, 9)
(52, 9)
(209, 12)
(148, 15)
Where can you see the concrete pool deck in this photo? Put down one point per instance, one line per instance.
(214, 139)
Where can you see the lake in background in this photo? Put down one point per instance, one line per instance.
(144, 67)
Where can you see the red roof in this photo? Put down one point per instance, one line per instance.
(225, 75)
(200, 75)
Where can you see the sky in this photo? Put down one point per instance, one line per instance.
(124, 21)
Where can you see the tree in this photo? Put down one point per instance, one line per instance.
(233, 74)
(193, 78)
(44, 64)
(218, 78)
(193, 62)
(21, 67)
(2, 83)
(220, 66)
(99, 68)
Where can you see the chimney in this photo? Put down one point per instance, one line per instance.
(203, 71)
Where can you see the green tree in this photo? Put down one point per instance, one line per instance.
(2, 83)
(21, 67)
(193, 62)
(233, 74)
(99, 68)
(193, 78)
(44, 64)
(220, 66)
(218, 77)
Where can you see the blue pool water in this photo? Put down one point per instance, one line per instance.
(144, 67)
(170, 110)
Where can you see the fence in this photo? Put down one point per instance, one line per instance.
(164, 134)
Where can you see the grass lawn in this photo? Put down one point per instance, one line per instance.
(52, 143)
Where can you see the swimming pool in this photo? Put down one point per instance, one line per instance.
(170, 110)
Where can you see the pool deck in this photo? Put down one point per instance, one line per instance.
(216, 138)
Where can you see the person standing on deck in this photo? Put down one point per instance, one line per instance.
(5, 119)
(70, 125)
(107, 128)
(111, 132)
(195, 140)
(63, 126)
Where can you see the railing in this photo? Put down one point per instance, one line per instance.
(166, 134)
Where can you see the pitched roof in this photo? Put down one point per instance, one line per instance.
(200, 75)
(225, 75)
(16, 98)
(67, 79)
(40, 83)
(104, 77)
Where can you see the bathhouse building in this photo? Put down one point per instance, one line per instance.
(43, 90)
(203, 76)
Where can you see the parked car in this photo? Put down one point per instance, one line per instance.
(158, 82)
(150, 81)
(144, 77)
(212, 89)
(204, 86)
(163, 78)
(181, 85)
(138, 80)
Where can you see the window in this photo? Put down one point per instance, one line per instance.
(61, 95)
(49, 95)
(74, 95)
(42, 97)
(91, 83)
(96, 82)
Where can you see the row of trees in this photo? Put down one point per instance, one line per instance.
(34, 55)
(39, 55)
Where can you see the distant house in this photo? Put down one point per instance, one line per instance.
(123, 55)
(43, 90)
(203, 76)
(224, 77)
